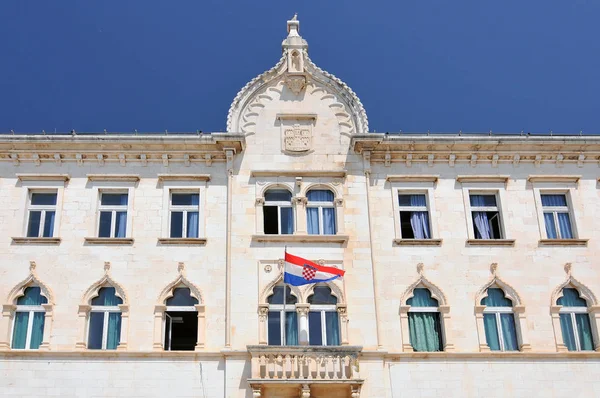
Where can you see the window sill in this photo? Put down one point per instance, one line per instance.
(418, 242)
(302, 238)
(109, 241)
(490, 242)
(182, 241)
(35, 241)
(563, 242)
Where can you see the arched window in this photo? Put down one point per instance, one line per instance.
(323, 321)
(282, 321)
(181, 321)
(575, 321)
(320, 212)
(104, 331)
(278, 213)
(424, 324)
(499, 321)
(28, 326)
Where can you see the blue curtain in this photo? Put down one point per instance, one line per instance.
(20, 330)
(570, 298)
(274, 324)
(291, 328)
(480, 218)
(96, 328)
(287, 221)
(192, 224)
(319, 195)
(312, 218)
(566, 326)
(49, 224)
(495, 298)
(37, 330)
(113, 337)
(425, 331)
(419, 220)
(550, 226)
(554, 200)
(422, 298)
(491, 332)
(565, 226)
(107, 297)
(328, 221)
(332, 328)
(584, 329)
(121, 224)
(509, 332)
(315, 336)
(32, 296)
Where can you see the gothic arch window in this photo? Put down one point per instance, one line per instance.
(323, 320)
(282, 320)
(575, 321)
(499, 321)
(320, 212)
(278, 214)
(424, 324)
(104, 330)
(29, 319)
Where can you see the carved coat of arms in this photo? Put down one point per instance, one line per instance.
(297, 139)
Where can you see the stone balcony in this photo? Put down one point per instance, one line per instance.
(303, 367)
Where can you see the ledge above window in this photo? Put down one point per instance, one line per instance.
(418, 242)
(184, 177)
(490, 242)
(298, 173)
(301, 238)
(412, 178)
(43, 177)
(182, 241)
(482, 178)
(554, 178)
(114, 177)
(563, 242)
(35, 241)
(108, 241)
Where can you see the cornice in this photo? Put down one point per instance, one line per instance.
(482, 178)
(554, 178)
(298, 173)
(113, 177)
(43, 177)
(184, 177)
(412, 178)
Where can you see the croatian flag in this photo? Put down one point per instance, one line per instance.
(299, 271)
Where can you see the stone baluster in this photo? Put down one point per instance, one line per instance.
(343, 361)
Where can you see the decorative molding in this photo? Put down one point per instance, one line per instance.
(411, 178)
(563, 242)
(482, 178)
(182, 241)
(418, 242)
(302, 238)
(554, 178)
(35, 241)
(584, 291)
(436, 292)
(298, 173)
(181, 279)
(106, 280)
(495, 280)
(113, 177)
(43, 177)
(108, 241)
(31, 280)
(491, 242)
(269, 289)
(183, 177)
(296, 116)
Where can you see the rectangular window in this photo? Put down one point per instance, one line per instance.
(414, 216)
(486, 216)
(556, 216)
(184, 215)
(41, 214)
(323, 328)
(112, 221)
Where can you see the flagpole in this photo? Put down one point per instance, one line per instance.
(284, 300)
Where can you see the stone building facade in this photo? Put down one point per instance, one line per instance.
(150, 265)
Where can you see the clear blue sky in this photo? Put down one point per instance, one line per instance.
(416, 64)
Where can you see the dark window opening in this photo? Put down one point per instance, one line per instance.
(271, 220)
(492, 218)
(181, 330)
(405, 226)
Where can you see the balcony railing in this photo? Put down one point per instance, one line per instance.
(305, 364)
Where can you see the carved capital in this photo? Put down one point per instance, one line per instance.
(296, 83)
(302, 309)
(300, 200)
(338, 201)
(263, 311)
(260, 201)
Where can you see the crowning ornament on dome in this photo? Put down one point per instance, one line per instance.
(292, 78)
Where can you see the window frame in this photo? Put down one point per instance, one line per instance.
(184, 209)
(425, 208)
(279, 205)
(43, 209)
(498, 208)
(280, 308)
(414, 188)
(31, 309)
(322, 309)
(498, 311)
(555, 210)
(320, 206)
(573, 311)
(106, 310)
(564, 188)
(113, 209)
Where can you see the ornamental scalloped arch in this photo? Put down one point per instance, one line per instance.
(321, 185)
(336, 291)
(31, 280)
(180, 281)
(435, 291)
(105, 281)
(509, 291)
(270, 288)
(584, 291)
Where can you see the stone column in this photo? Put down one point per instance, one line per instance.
(521, 324)
(8, 312)
(45, 346)
(124, 327)
(302, 310)
(300, 215)
(343, 318)
(483, 346)
(263, 313)
(158, 327)
(406, 346)
(260, 223)
(200, 341)
(339, 214)
(558, 337)
(446, 327)
(82, 317)
(595, 322)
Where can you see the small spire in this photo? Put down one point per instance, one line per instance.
(420, 267)
(293, 26)
(32, 266)
(181, 267)
(493, 268)
(568, 267)
(106, 267)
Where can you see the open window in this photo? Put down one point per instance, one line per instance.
(486, 216)
(278, 213)
(181, 321)
(414, 216)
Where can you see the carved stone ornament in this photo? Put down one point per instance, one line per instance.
(295, 83)
(297, 139)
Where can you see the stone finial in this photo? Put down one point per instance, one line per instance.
(420, 268)
(568, 267)
(293, 26)
(181, 267)
(106, 267)
(32, 266)
(493, 268)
